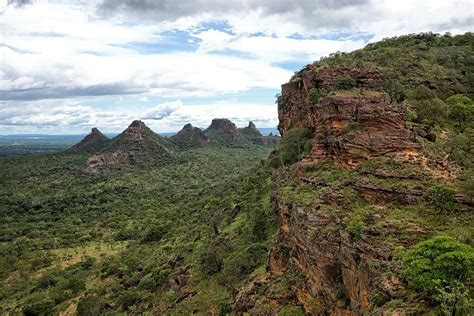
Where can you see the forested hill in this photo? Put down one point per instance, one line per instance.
(442, 63)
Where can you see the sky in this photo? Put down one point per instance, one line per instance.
(68, 66)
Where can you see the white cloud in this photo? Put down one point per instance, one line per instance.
(71, 116)
(274, 49)
(36, 76)
(58, 49)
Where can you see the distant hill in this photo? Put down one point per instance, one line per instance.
(92, 143)
(223, 132)
(137, 144)
(253, 135)
(189, 136)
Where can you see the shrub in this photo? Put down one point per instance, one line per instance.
(243, 262)
(439, 266)
(294, 144)
(355, 227)
(154, 233)
(430, 110)
(314, 95)
(283, 103)
(460, 110)
(441, 197)
(345, 83)
(90, 306)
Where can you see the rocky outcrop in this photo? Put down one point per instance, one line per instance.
(190, 136)
(224, 132)
(344, 270)
(136, 145)
(349, 125)
(94, 142)
(253, 135)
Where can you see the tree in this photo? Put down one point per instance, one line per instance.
(293, 146)
(460, 110)
(345, 83)
(439, 266)
(429, 108)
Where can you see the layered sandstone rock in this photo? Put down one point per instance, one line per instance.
(349, 126)
(342, 274)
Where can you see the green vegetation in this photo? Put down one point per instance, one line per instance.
(355, 227)
(441, 267)
(429, 109)
(461, 110)
(314, 95)
(283, 103)
(442, 198)
(292, 147)
(129, 239)
(345, 83)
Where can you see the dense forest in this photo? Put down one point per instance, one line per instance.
(225, 228)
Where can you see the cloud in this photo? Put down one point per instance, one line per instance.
(163, 110)
(72, 116)
(28, 76)
(19, 3)
(56, 56)
(170, 9)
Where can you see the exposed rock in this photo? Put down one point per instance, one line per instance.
(190, 136)
(224, 132)
(431, 136)
(135, 145)
(94, 142)
(349, 126)
(253, 135)
(340, 273)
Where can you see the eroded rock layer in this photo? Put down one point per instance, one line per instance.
(349, 125)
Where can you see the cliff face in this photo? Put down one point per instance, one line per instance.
(331, 205)
(349, 126)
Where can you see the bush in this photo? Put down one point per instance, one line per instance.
(439, 266)
(243, 262)
(430, 110)
(442, 198)
(294, 144)
(460, 110)
(154, 233)
(90, 306)
(314, 95)
(209, 258)
(345, 83)
(355, 227)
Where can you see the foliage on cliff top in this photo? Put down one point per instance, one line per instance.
(443, 63)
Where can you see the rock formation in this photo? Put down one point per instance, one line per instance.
(350, 126)
(94, 142)
(340, 263)
(224, 132)
(135, 145)
(253, 135)
(190, 136)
